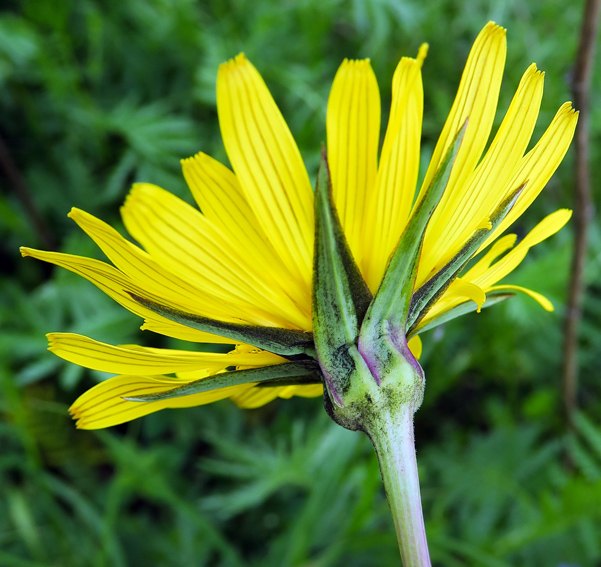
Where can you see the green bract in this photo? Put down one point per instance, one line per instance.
(361, 342)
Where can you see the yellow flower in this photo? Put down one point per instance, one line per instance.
(247, 258)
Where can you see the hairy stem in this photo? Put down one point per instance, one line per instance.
(391, 433)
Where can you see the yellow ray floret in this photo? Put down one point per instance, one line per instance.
(134, 359)
(220, 197)
(183, 241)
(397, 174)
(486, 272)
(118, 286)
(353, 129)
(104, 404)
(267, 162)
(476, 99)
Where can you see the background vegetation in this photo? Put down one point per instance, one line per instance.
(97, 94)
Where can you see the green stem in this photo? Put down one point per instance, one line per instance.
(391, 434)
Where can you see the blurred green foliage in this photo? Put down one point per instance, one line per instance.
(97, 94)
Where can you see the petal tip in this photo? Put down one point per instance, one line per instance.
(422, 53)
(75, 214)
(239, 60)
(492, 26)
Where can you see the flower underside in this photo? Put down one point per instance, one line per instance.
(245, 269)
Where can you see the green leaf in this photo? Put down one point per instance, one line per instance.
(590, 432)
(462, 309)
(425, 297)
(286, 342)
(297, 373)
(340, 295)
(391, 303)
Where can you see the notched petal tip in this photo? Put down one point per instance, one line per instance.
(197, 157)
(239, 59)
(359, 62)
(73, 213)
(567, 112)
(492, 26)
(534, 71)
(231, 66)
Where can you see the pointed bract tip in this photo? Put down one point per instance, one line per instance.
(324, 152)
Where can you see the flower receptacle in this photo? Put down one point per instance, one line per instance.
(382, 377)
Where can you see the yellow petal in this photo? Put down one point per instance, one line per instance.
(218, 193)
(184, 242)
(422, 53)
(353, 131)
(476, 99)
(484, 273)
(93, 354)
(117, 285)
(458, 292)
(267, 163)
(150, 274)
(461, 289)
(222, 201)
(465, 209)
(311, 391)
(104, 406)
(539, 164)
(543, 230)
(177, 331)
(256, 397)
(388, 205)
(499, 247)
(259, 396)
(415, 346)
(541, 299)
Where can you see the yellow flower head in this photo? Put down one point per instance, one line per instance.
(246, 261)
